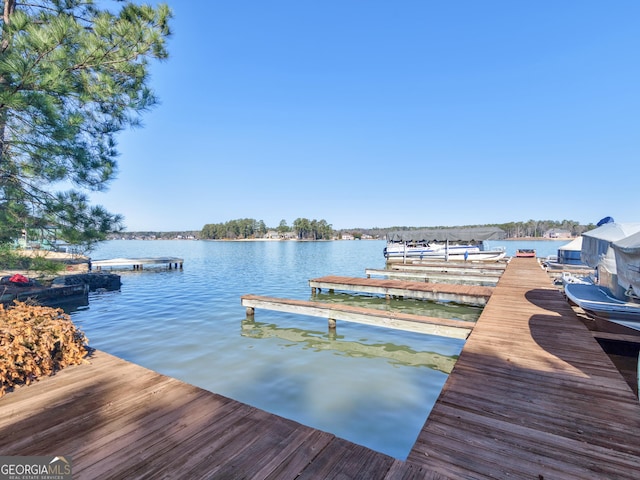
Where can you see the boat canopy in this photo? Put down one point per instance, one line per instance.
(575, 244)
(569, 253)
(471, 234)
(596, 244)
(627, 254)
(629, 245)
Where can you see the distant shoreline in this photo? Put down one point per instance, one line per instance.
(511, 239)
(526, 239)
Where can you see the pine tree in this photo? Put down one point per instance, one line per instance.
(72, 76)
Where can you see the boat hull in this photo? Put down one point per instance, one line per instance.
(594, 300)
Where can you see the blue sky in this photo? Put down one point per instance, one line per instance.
(370, 113)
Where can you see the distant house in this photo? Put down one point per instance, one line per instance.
(273, 235)
(347, 236)
(556, 233)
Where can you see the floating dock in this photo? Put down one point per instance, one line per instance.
(55, 296)
(531, 396)
(138, 263)
(436, 292)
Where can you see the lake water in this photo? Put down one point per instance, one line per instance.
(372, 386)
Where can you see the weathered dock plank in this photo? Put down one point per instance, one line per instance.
(473, 268)
(435, 277)
(48, 296)
(532, 395)
(118, 420)
(369, 316)
(468, 294)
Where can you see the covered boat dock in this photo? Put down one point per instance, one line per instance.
(470, 235)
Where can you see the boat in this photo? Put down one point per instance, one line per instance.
(423, 250)
(627, 255)
(569, 253)
(438, 251)
(613, 250)
(525, 253)
(598, 301)
(454, 244)
(568, 258)
(569, 277)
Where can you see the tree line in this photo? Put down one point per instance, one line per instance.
(538, 228)
(249, 228)
(519, 229)
(305, 229)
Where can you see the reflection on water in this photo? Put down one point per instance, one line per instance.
(395, 354)
(72, 304)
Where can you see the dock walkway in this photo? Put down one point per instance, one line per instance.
(531, 396)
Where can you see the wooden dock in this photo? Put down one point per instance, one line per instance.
(56, 295)
(118, 420)
(469, 294)
(138, 263)
(531, 396)
(472, 268)
(460, 278)
(369, 316)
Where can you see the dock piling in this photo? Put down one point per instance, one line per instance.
(332, 324)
